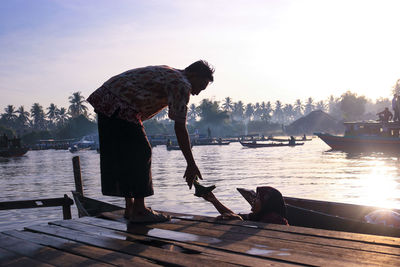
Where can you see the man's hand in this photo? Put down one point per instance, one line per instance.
(191, 173)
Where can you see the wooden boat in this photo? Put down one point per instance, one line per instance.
(13, 151)
(255, 144)
(287, 139)
(172, 147)
(365, 136)
(213, 143)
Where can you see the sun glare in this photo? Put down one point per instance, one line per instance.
(378, 188)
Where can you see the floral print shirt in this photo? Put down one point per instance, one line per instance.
(141, 93)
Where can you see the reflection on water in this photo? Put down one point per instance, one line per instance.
(308, 171)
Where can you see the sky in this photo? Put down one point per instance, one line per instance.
(261, 50)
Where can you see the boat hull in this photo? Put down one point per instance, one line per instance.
(13, 152)
(255, 145)
(223, 143)
(361, 143)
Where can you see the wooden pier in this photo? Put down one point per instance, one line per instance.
(189, 240)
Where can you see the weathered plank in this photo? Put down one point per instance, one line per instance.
(245, 260)
(10, 259)
(95, 253)
(299, 247)
(373, 239)
(326, 252)
(43, 254)
(350, 244)
(7, 257)
(275, 250)
(158, 255)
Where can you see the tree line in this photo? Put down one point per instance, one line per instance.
(225, 116)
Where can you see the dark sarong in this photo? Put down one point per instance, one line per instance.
(125, 158)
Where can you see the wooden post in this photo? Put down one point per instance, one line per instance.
(77, 175)
(67, 208)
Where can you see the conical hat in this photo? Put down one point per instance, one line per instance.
(249, 195)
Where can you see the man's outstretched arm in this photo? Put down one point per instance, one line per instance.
(182, 136)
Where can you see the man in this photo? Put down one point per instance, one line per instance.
(395, 107)
(122, 104)
(385, 115)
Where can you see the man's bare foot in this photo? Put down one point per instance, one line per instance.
(147, 215)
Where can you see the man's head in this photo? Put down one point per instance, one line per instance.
(199, 74)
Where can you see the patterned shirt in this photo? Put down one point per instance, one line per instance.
(139, 94)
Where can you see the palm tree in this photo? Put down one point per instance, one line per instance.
(23, 117)
(38, 117)
(210, 112)
(238, 110)
(288, 113)
(62, 116)
(9, 116)
(193, 113)
(52, 113)
(266, 110)
(228, 104)
(396, 87)
(321, 105)
(257, 111)
(77, 107)
(298, 108)
(278, 112)
(309, 106)
(249, 111)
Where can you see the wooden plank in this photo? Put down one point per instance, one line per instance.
(300, 247)
(7, 256)
(42, 253)
(324, 252)
(275, 250)
(267, 233)
(373, 239)
(10, 259)
(98, 254)
(350, 244)
(37, 203)
(245, 260)
(158, 255)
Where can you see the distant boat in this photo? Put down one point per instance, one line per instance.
(11, 147)
(365, 136)
(212, 143)
(13, 151)
(255, 144)
(171, 147)
(287, 139)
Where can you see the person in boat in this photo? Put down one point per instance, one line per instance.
(395, 107)
(122, 104)
(268, 207)
(169, 142)
(292, 140)
(385, 115)
(304, 137)
(398, 107)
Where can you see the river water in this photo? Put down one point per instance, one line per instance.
(308, 171)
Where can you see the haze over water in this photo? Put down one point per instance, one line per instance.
(309, 171)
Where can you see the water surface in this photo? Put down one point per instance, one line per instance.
(309, 171)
